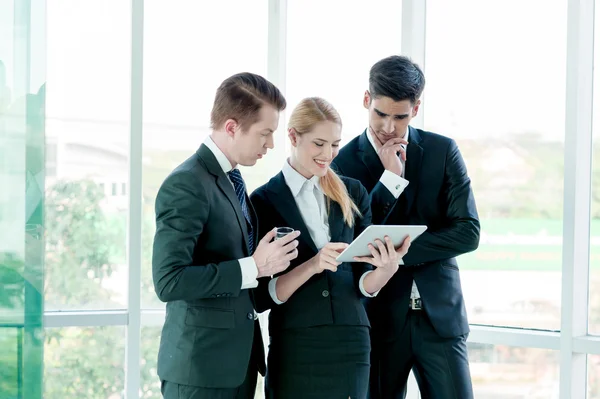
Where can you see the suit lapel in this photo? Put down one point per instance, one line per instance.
(412, 167)
(284, 203)
(224, 184)
(336, 221)
(370, 158)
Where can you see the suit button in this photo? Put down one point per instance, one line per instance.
(325, 293)
(250, 316)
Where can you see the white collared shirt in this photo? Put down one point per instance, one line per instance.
(310, 201)
(396, 185)
(247, 265)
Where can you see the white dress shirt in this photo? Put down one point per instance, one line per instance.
(396, 185)
(247, 265)
(310, 200)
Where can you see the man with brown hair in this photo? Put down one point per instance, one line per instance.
(207, 255)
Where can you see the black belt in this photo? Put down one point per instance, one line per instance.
(415, 304)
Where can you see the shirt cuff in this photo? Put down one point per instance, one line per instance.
(361, 286)
(394, 183)
(249, 273)
(273, 291)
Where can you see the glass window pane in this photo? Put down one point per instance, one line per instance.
(149, 381)
(594, 303)
(22, 175)
(489, 92)
(332, 58)
(183, 66)
(88, 61)
(593, 362)
(11, 360)
(86, 362)
(505, 372)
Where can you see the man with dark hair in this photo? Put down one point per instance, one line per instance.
(415, 177)
(207, 255)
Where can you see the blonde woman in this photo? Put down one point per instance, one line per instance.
(318, 327)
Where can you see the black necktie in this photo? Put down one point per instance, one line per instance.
(240, 191)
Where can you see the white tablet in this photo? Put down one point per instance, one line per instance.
(359, 247)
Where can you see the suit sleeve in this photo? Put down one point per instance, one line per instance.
(262, 297)
(461, 235)
(361, 223)
(182, 211)
(382, 200)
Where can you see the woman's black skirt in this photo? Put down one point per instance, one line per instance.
(327, 362)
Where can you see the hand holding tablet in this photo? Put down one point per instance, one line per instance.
(360, 246)
(384, 255)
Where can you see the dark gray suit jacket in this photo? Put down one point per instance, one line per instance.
(201, 233)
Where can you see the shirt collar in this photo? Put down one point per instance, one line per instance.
(372, 140)
(221, 158)
(296, 181)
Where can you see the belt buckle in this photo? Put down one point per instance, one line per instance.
(415, 304)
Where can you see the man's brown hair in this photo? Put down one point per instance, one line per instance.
(241, 96)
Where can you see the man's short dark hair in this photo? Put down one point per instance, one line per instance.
(396, 77)
(241, 96)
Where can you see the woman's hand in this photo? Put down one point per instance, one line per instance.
(385, 256)
(325, 259)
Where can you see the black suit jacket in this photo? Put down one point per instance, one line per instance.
(201, 233)
(327, 298)
(438, 195)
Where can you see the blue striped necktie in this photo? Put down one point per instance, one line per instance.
(240, 190)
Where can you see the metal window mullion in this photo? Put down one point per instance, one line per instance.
(134, 236)
(577, 191)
